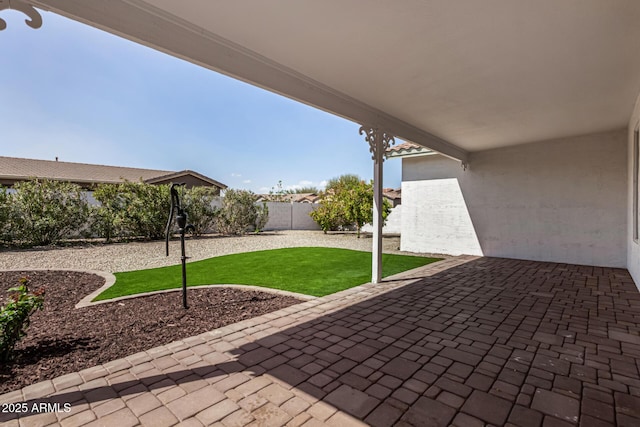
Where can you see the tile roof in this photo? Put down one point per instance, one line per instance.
(19, 169)
(176, 175)
(403, 146)
(292, 197)
(407, 148)
(392, 193)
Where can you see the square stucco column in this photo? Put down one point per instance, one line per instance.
(379, 142)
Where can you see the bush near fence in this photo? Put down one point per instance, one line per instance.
(45, 212)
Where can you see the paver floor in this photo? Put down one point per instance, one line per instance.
(464, 342)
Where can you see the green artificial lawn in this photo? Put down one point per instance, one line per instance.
(310, 271)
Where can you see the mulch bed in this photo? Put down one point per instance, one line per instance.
(62, 339)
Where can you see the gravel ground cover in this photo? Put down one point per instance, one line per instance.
(140, 255)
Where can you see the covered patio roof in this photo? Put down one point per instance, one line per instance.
(455, 77)
(466, 341)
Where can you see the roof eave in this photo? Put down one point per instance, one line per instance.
(204, 178)
(411, 153)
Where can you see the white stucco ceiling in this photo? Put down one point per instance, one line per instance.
(478, 74)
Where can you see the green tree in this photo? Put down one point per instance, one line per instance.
(343, 181)
(44, 212)
(357, 202)
(307, 189)
(328, 215)
(347, 202)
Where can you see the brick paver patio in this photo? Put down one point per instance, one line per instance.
(465, 342)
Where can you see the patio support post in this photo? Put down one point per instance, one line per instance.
(379, 141)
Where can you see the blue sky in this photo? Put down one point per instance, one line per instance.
(72, 91)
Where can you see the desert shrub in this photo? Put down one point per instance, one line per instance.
(131, 209)
(44, 212)
(15, 317)
(262, 217)
(144, 209)
(198, 203)
(5, 207)
(238, 212)
(138, 209)
(106, 218)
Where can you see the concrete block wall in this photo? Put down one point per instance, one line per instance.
(562, 200)
(290, 216)
(279, 216)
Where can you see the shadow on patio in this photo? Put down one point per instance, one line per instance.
(471, 341)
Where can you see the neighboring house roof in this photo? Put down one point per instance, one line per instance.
(176, 176)
(392, 194)
(408, 149)
(307, 198)
(292, 198)
(389, 193)
(13, 169)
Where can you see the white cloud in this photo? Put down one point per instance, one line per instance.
(236, 175)
(264, 190)
(246, 181)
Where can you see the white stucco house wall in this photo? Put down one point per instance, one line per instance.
(560, 200)
(392, 225)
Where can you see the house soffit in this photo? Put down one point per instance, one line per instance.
(477, 74)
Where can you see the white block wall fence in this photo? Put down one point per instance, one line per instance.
(287, 215)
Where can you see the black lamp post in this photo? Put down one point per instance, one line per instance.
(183, 227)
